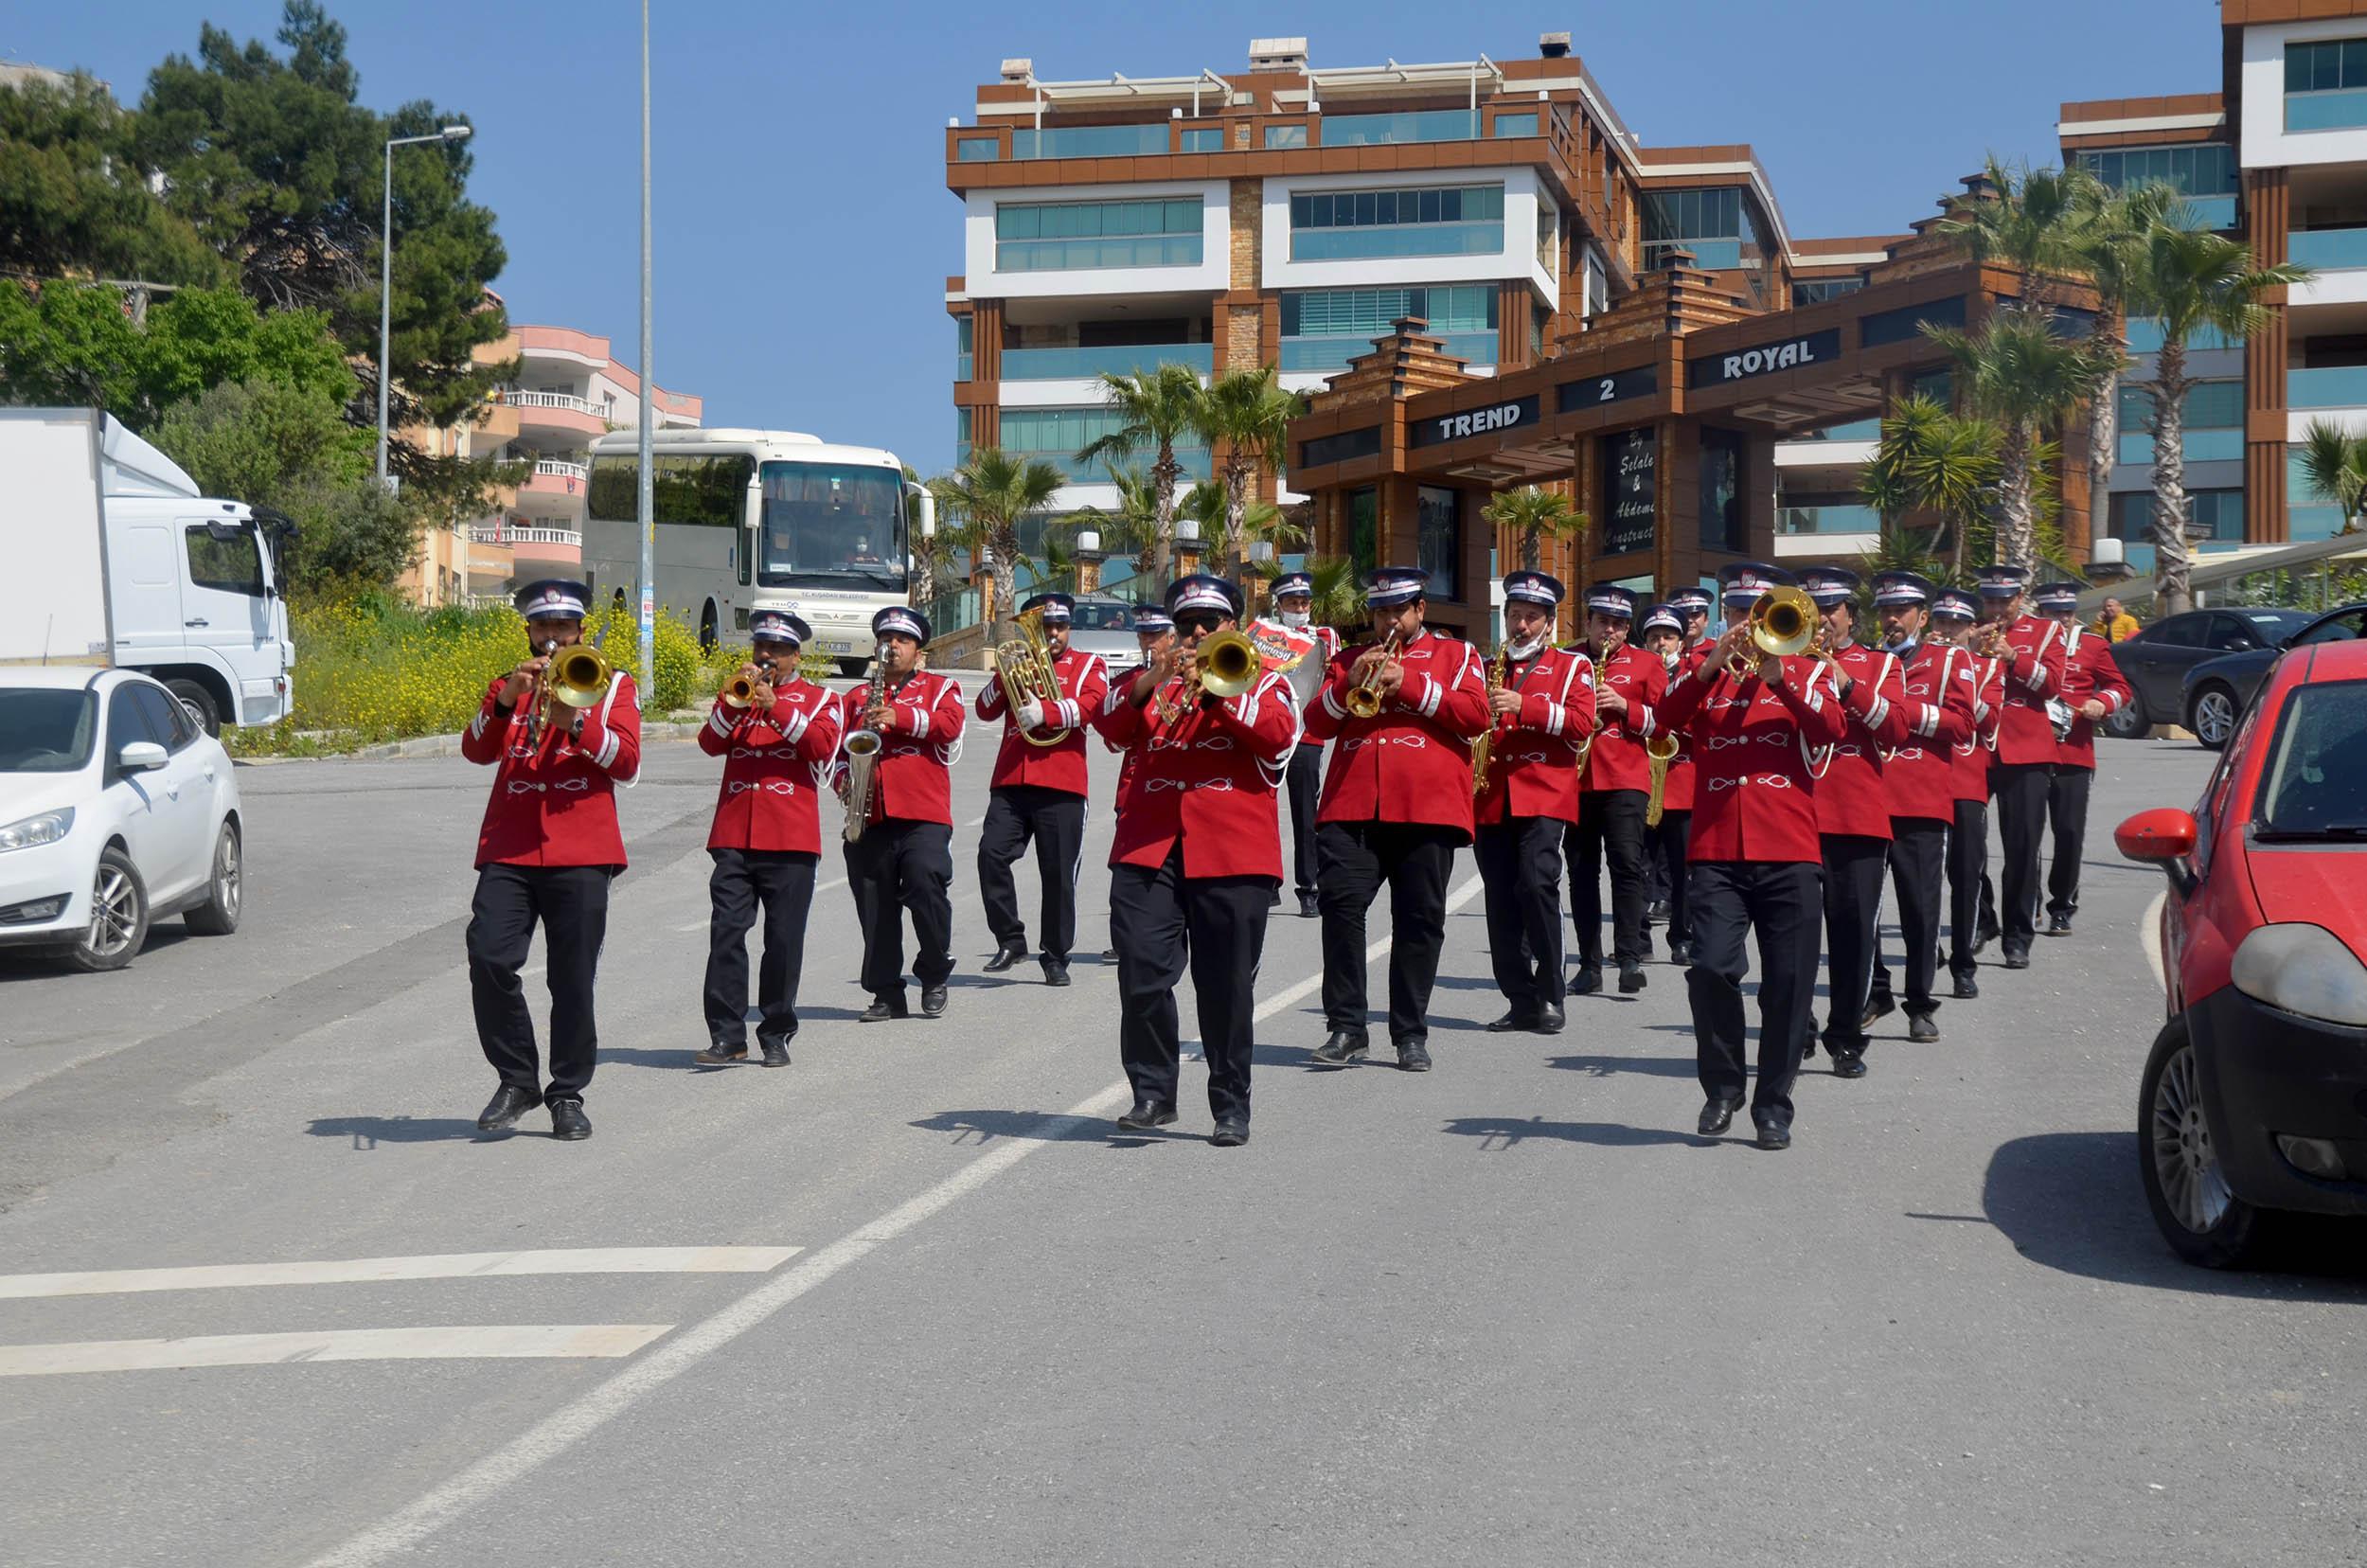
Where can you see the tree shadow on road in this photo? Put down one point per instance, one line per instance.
(369, 1132)
(1603, 1066)
(1497, 1134)
(983, 1127)
(2071, 1200)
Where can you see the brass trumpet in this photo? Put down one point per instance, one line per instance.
(1364, 697)
(739, 691)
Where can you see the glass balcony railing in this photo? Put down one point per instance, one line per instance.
(1422, 125)
(2144, 337)
(2331, 111)
(2199, 446)
(1091, 141)
(1082, 363)
(1708, 255)
(2327, 386)
(1328, 354)
(1828, 520)
(1195, 462)
(2330, 250)
(1857, 429)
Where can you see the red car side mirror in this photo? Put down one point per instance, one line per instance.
(2157, 837)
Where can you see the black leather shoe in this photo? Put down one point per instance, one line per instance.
(1849, 1064)
(882, 1008)
(1145, 1115)
(1309, 908)
(568, 1122)
(776, 1053)
(2016, 960)
(1876, 1006)
(2059, 925)
(1716, 1117)
(1586, 982)
(1273, 900)
(1056, 971)
(1922, 1026)
(1231, 1133)
(1630, 979)
(932, 1000)
(1680, 954)
(1515, 1022)
(1550, 1019)
(1658, 913)
(1984, 933)
(1413, 1056)
(1006, 955)
(1109, 955)
(1968, 988)
(503, 1110)
(1338, 1051)
(1773, 1134)
(722, 1056)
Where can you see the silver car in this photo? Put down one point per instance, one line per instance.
(1104, 624)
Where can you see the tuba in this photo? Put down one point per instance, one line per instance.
(863, 757)
(1364, 697)
(1023, 664)
(1498, 670)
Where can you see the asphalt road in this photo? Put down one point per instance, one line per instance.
(1510, 1313)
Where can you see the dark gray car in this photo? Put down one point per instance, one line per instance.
(2216, 691)
(2156, 660)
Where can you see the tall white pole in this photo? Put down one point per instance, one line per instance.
(649, 369)
(385, 305)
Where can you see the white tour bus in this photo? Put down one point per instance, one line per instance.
(743, 512)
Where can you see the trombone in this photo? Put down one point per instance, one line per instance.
(1224, 666)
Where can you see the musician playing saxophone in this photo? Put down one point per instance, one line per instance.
(1038, 794)
(1663, 634)
(1541, 701)
(776, 733)
(904, 859)
(1612, 793)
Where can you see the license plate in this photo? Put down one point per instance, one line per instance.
(839, 646)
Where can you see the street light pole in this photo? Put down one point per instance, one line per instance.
(646, 512)
(387, 274)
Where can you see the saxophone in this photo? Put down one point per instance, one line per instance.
(1498, 670)
(863, 757)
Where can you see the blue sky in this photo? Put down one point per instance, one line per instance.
(804, 230)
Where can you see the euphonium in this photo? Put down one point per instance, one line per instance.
(862, 755)
(1659, 751)
(1498, 670)
(1023, 664)
(1364, 697)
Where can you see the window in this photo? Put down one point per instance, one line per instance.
(46, 731)
(1333, 225)
(2209, 406)
(224, 555)
(1091, 141)
(1365, 529)
(1816, 291)
(1416, 125)
(1548, 239)
(2211, 514)
(2341, 628)
(1438, 541)
(707, 492)
(2326, 84)
(1722, 527)
(1938, 385)
(1707, 222)
(128, 724)
(1506, 125)
(1323, 327)
(962, 418)
(2229, 634)
(1201, 139)
(976, 150)
(1056, 434)
(167, 720)
(1280, 136)
(1058, 237)
(2204, 174)
(1345, 447)
(2180, 631)
(831, 525)
(2315, 780)
(962, 328)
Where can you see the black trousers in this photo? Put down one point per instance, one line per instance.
(1666, 844)
(2021, 799)
(1918, 850)
(2067, 819)
(780, 883)
(1520, 863)
(1055, 820)
(1967, 884)
(1160, 920)
(1778, 899)
(1305, 781)
(1853, 905)
(571, 903)
(1354, 859)
(899, 865)
(1609, 827)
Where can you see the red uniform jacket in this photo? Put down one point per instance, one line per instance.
(775, 766)
(1678, 792)
(914, 778)
(555, 804)
(2089, 671)
(2033, 673)
(1971, 776)
(1205, 776)
(1617, 759)
(1850, 798)
(1412, 761)
(1939, 685)
(1755, 795)
(1533, 766)
(1084, 686)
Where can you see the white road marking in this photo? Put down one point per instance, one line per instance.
(819, 887)
(503, 1341)
(2149, 933)
(487, 1265)
(569, 1425)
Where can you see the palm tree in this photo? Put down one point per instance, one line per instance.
(1338, 598)
(1250, 413)
(1132, 527)
(1156, 408)
(2334, 465)
(1533, 515)
(2192, 279)
(1261, 522)
(2034, 223)
(994, 494)
(1931, 459)
(2110, 247)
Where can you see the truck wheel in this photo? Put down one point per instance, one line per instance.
(226, 888)
(2185, 1185)
(200, 702)
(708, 626)
(854, 669)
(118, 921)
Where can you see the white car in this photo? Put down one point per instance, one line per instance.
(116, 811)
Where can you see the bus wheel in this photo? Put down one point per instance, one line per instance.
(707, 629)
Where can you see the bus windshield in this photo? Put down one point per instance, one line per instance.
(831, 526)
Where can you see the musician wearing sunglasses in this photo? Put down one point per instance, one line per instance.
(1195, 856)
(546, 852)
(776, 733)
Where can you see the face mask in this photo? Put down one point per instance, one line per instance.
(1523, 652)
(1669, 659)
(1295, 618)
(1902, 646)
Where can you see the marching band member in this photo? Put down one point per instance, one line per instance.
(1195, 858)
(1952, 615)
(2093, 687)
(1037, 793)
(1396, 805)
(904, 859)
(2031, 652)
(1299, 651)
(1542, 714)
(767, 837)
(1938, 684)
(1755, 856)
(1665, 840)
(1694, 605)
(1627, 682)
(1853, 811)
(1153, 631)
(547, 849)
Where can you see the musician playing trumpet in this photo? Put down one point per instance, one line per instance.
(1037, 793)
(776, 733)
(1540, 702)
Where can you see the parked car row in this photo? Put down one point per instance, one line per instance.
(2201, 669)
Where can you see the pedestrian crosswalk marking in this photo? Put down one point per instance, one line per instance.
(504, 1341)
(548, 1260)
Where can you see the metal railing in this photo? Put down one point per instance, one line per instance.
(502, 534)
(548, 467)
(553, 400)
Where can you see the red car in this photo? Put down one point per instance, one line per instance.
(2255, 1096)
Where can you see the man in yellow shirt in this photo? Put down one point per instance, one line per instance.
(2115, 624)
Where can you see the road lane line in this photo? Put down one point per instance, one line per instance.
(498, 1340)
(486, 1265)
(404, 1529)
(701, 924)
(2149, 935)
